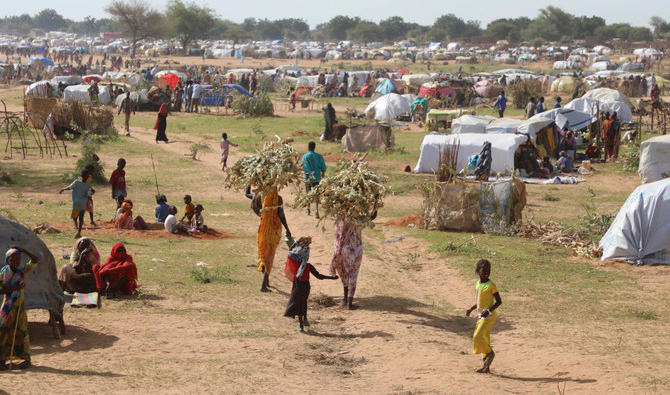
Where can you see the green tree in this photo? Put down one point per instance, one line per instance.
(189, 22)
(49, 20)
(660, 25)
(395, 28)
(450, 27)
(137, 20)
(337, 27)
(366, 32)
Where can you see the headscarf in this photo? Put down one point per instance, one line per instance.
(9, 253)
(126, 211)
(296, 264)
(76, 253)
(119, 263)
(10, 278)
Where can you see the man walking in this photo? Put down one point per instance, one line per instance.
(315, 168)
(127, 107)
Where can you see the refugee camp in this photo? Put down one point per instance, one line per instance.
(353, 197)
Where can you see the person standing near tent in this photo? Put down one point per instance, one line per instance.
(540, 105)
(195, 97)
(178, 96)
(93, 92)
(315, 168)
(348, 255)
(271, 211)
(79, 188)
(330, 118)
(14, 339)
(161, 124)
(558, 102)
(488, 300)
(608, 136)
(127, 107)
(501, 104)
(483, 169)
(189, 93)
(530, 108)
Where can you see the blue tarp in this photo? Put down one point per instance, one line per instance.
(237, 88)
(386, 87)
(45, 61)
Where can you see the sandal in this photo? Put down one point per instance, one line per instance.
(24, 365)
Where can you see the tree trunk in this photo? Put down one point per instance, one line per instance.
(132, 53)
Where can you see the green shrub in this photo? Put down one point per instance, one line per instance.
(256, 106)
(595, 222)
(631, 157)
(89, 156)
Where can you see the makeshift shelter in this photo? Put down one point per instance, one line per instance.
(67, 80)
(436, 90)
(416, 80)
(235, 87)
(387, 86)
(503, 147)
(40, 60)
(481, 87)
(607, 95)
(80, 93)
(471, 123)
(418, 102)
(42, 289)
(563, 84)
(365, 138)
(566, 65)
(576, 120)
(39, 89)
(92, 77)
(640, 233)
(503, 125)
(654, 159)
(389, 107)
(541, 133)
(169, 79)
(591, 106)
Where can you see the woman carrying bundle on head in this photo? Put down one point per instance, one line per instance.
(161, 124)
(297, 271)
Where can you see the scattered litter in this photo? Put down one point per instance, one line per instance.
(202, 264)
(45, 228)
(156, 260)
(395, 239)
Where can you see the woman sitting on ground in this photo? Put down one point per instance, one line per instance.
(77, 276)
(124, 218)
(118, 274)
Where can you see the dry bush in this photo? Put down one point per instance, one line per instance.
(523, 90)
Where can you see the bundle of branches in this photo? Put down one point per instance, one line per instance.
(522, 91)
(62, 114)
(275, 166)
(353, 190)
(446, 171)
(255, 106)
(92, 118)
(494, 91)
(556, 234)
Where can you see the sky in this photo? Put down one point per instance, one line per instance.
(424, 12)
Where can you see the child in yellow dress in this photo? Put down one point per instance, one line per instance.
(488, 300)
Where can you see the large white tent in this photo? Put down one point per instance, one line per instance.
(640, 233)
(389, 107)
(607, 95)
(654, 159)
(80, 93)
(503, 147)
(590, 106)
(471, 123)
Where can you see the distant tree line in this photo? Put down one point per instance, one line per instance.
(188, 22)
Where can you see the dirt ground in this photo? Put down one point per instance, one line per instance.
(409, 335)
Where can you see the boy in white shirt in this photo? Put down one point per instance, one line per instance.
(174, 226)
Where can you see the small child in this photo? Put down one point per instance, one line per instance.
(189, 210)
(118, 182)
(488, 300)
(198, 222)
(162, 209)
(171, 223)
(89, 205)
(225, 147)
(297, 271)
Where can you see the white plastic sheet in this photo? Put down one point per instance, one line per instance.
(654, 159)
(471, 124)
(590, 106)
(389, 107)
(503, 147)
(80, 93)
(640, 232)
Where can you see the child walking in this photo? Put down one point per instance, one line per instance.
(225, 147)
(79, 188)
(488, 300)
(297, 270)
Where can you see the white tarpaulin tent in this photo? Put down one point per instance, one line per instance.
(590, 106)
(80, 93)
(471, 123)
(534, 125)
(607, 95)
(640, 232)
(39, 89)
(654, 159)
(389, 107)
(503, 147)
(503, 125)
(576, 120)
